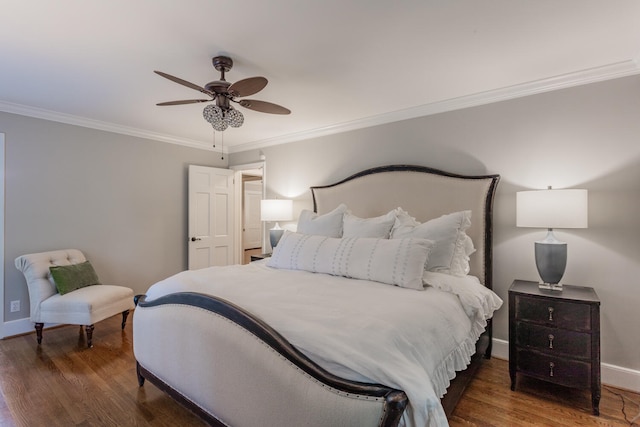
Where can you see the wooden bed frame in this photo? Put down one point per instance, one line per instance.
(425, 193)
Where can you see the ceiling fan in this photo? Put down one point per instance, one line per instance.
(223, 114)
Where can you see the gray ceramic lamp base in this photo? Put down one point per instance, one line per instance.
(551, 260)
(274, 236)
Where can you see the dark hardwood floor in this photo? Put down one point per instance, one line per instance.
(489, 401)
(62, 383)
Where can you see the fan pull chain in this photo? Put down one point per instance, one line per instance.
(221, 142)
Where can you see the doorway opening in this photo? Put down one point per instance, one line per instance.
(250, 229)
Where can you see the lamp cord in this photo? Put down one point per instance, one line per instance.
(633, 420)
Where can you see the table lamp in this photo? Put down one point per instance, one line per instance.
(274, 210)
(551, 209)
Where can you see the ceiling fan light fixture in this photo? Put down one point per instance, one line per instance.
(212, 113)
(221, 115)
(219, 125)
(234, 118)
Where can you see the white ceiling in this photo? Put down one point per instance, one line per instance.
(337, 64)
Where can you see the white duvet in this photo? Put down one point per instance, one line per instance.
(361, 330)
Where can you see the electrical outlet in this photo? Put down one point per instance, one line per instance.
(15, 306)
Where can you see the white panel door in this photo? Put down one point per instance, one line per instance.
(211, 216)
(252, 227)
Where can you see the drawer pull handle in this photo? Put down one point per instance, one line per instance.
(551, 366)
(551, 337)
(550, 314)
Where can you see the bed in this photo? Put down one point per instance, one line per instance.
(287, 340)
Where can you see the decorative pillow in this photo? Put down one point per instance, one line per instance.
(379, 227)
(329, 224)
(395, 262)
(68, 278)
(404, 223)
(452, 248)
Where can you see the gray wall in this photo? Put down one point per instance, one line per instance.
(121, 200)
(582, 137)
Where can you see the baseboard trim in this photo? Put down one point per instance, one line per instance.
(615, 376)
(620, 377)
(21, 327)
(17, 327)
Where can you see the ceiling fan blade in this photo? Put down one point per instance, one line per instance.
(247, 87)
(263, 106)
(187, 101)
(184, 83)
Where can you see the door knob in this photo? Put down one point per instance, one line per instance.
(193, 239)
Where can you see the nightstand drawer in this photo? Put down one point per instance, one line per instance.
(571, 373)
(554, 313)
(554, 340)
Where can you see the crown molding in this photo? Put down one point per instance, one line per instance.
(41, 113)
(592, 75)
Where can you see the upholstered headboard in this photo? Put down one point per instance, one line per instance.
(424, 193)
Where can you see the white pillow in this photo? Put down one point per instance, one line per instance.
(329, 224)
(396, 262)
(452, 248)
(476, 298)
(404, 224)
(379, 226)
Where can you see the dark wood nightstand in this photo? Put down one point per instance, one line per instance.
(258, 257)
(555, 336)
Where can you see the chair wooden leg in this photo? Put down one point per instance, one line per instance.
(89, 330)
(125, 314)
(39, 327)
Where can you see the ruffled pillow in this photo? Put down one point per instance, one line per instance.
(475, 297)
(452, 246)
(396, 262)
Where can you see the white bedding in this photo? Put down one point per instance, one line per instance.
(349, 327)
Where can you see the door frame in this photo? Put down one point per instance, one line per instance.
(252, 186)
(239, 171)
(2, 185)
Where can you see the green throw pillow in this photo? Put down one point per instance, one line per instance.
(71, 277)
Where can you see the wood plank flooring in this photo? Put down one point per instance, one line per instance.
(489, 401)
(62, 383)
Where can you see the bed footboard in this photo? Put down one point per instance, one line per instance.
(231, 368)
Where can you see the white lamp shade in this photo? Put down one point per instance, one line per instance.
(276, 210)
(552, 208)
